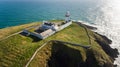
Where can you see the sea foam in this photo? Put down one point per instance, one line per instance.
(110, 26)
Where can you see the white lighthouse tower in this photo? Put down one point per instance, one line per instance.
(67, 15)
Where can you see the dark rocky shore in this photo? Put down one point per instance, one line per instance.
(104, 43)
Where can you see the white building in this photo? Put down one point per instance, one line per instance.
(49, 25)
(47, 28)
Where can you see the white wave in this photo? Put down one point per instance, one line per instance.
(106, 16)
(86, 23)
(109, 24)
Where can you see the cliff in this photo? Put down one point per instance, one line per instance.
(15, 51)
(58, 54)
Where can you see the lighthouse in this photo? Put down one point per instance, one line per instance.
(67, 17)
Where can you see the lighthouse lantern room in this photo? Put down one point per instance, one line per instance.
(67, 15)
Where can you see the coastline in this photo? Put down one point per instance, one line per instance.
(105, 43)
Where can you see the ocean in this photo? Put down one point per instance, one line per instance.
(17, 13)
(104, 14)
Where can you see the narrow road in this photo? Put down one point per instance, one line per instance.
(10, 35)
(35, 54)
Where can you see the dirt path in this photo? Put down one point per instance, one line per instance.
(10, 35)
(35, 54)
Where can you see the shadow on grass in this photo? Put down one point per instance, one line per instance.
(35, 39)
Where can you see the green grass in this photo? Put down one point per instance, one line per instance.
(10, 30)
(15, 51)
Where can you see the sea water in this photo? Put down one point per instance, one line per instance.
(104, 14)
(109, 23)
(15, 13)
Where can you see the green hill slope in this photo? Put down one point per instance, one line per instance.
(16, 51)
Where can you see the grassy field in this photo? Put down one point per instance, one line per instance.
(10, 30)
(75, 34)
(16, 51)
